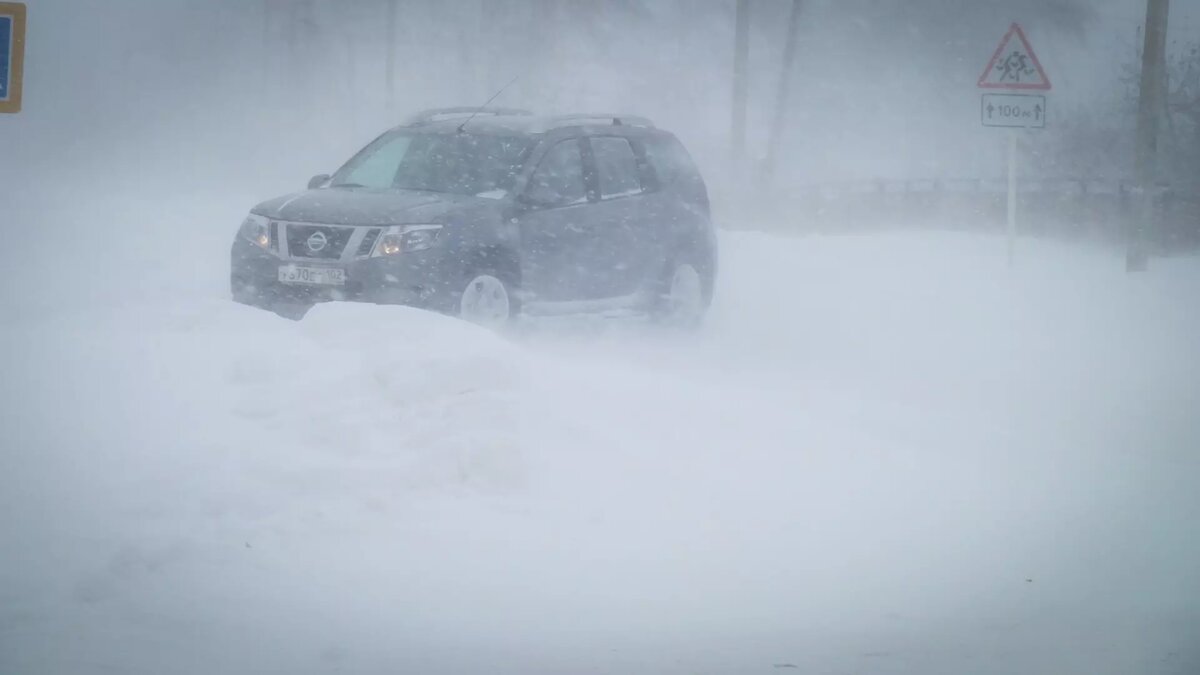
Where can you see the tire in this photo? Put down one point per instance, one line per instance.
(487, 298)
(293, 311)
(681, 296)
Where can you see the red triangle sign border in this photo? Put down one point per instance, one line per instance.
(1043, 85)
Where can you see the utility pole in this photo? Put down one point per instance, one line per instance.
(781, 98)
(741, 57)
(390, 65)
(268, 15)
(1150, 98)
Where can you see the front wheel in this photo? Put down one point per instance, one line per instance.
(487, 301)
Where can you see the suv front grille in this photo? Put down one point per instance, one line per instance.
(368, 242)
(320, 242)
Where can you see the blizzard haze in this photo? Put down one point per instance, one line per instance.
(885, 450)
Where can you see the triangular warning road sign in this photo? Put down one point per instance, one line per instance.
(1014, 65)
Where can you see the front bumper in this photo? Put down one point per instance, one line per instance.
(422, 278)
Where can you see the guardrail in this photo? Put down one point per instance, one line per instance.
(1054, 207)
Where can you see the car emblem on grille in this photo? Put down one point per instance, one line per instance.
(316, 242)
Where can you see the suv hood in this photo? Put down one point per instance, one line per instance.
(338, 206)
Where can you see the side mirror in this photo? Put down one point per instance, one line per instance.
(317, 181)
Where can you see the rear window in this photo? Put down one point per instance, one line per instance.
(670, 160)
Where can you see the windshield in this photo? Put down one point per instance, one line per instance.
(461, 163)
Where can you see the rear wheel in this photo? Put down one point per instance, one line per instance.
(682, 299)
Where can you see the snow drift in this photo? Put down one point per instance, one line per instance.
(883, 453)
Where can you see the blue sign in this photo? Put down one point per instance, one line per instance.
(6, 42)
(12, 55)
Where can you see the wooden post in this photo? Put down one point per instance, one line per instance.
(781, 98)
(741, 57)
(1149, 115)
(390, 65)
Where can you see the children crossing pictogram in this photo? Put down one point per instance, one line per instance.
(1014, 65)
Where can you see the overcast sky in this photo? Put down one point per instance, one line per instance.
(132, 84)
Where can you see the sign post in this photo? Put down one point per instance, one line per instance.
(1011, 229)
(1013, 67)
(12, 55)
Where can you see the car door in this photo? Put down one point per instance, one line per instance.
(554, 225)
(623, 254)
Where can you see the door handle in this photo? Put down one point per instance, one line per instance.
(574, 229)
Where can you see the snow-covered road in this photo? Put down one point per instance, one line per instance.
(883, 454)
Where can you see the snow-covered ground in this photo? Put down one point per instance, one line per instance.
(883, 454)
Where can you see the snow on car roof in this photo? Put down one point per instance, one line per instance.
(522, 124)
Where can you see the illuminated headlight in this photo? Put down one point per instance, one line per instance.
(406, 239)
(255, 230)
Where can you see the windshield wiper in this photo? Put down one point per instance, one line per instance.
(346, 185)
(423, 189)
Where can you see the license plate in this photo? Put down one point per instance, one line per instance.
(319, 276)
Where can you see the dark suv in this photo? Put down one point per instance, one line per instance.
(484, 213)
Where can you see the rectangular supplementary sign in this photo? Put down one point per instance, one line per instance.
(1026, 111)
(12, 55)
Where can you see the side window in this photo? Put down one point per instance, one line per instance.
(558, 179)
(616, 166)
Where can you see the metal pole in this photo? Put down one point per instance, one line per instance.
(390, 67)
(1012, 196)
(1149, 114)
(781, 99)
(741, 57)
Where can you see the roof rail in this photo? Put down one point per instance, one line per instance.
(439, 114)
(614, 119)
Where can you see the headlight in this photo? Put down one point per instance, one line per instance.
(255, 229)
(406, 239)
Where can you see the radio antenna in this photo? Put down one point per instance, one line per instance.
(485, 103)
